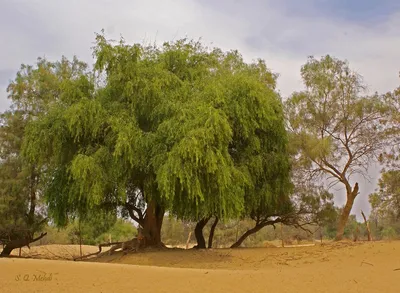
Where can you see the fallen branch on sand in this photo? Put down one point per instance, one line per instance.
(96, 253)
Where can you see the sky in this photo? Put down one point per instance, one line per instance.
(284, 33)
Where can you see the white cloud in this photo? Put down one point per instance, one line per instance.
(4, 102)
(283, 40)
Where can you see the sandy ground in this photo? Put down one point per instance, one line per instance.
(56, 251)
(342, 267)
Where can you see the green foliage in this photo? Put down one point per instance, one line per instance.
(176, 232)
(329, 226)
(92, 226)
(381, 224)
(120, 231)
(35, 92)
(389, 233)
(391, 155)
(100, 228)
(36, 88)
(386, 205)
(314, 204)
(55, 236)
(96, 227)
(196, 130)
(19, 183)
(386, 202)
(100, 232)
(336, 129)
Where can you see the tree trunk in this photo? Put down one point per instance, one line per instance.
(367, 226)
(32, 199)
(7, 250)
(198, 233)
(211, 236)
(188, 240)
(80, 238)
(346, 212)
(152, 223)
(237, 231)
(356, 233)
(30, 220)
(320, 233)
(253, 230)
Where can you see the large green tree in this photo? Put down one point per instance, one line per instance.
(181, 127)
(256, 146)
(22, 182)
(337, 128)
(20, 189)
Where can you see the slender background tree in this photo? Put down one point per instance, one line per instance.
(338, 129)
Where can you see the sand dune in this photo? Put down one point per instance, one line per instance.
(366, 268)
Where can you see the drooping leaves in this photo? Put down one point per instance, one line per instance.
(195, 129)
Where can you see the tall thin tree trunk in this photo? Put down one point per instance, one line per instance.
(356, 233)
(351, 195)
(367, 226)
(237, 231)
(198, 233)
(80, 238)
(32, 199)
(211, 236)
(188, 240)
(320, 233)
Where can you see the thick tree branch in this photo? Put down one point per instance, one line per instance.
(333, 168)
(322, 168)
(18, 243)
(131, 209)
(39, 237)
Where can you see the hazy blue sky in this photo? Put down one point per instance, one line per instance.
(284, 33)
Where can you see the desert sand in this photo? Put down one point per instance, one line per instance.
(56, 251)
(339, 267)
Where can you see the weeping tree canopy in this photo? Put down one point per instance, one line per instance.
(177, 127)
